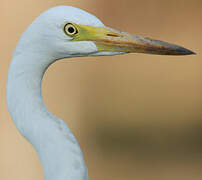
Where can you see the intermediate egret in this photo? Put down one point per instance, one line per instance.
(62, 32)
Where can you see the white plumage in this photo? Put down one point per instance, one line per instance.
(43, 43)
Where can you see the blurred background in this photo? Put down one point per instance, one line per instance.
(135, 116)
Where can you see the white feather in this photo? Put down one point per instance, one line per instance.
(43, 43)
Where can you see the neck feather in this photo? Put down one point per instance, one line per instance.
(57, 148)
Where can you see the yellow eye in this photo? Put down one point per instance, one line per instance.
(70, 29)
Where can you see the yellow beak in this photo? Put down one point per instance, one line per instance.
(107, 39)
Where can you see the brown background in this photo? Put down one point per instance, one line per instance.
(136, 116)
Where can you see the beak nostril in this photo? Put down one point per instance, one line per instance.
(113, 35)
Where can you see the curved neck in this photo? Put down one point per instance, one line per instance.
(57, 148)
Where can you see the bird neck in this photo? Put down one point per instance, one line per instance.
(56, 146)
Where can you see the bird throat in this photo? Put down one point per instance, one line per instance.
(56, 146)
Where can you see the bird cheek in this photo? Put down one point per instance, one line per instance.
(80, 47)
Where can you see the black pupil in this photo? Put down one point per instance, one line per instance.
(71, 30)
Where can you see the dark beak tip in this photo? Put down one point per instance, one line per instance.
(189, 52)
(193, 53)
(184, 51)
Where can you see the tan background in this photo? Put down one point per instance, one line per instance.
(136, 116)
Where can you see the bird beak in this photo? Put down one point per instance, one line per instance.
(107, 39)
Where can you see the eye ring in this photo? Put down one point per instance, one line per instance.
(70, 29)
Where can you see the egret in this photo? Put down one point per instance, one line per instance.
(63, 32)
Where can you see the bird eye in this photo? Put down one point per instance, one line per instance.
(70, 29)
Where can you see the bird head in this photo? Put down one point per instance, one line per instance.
(66, 31)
